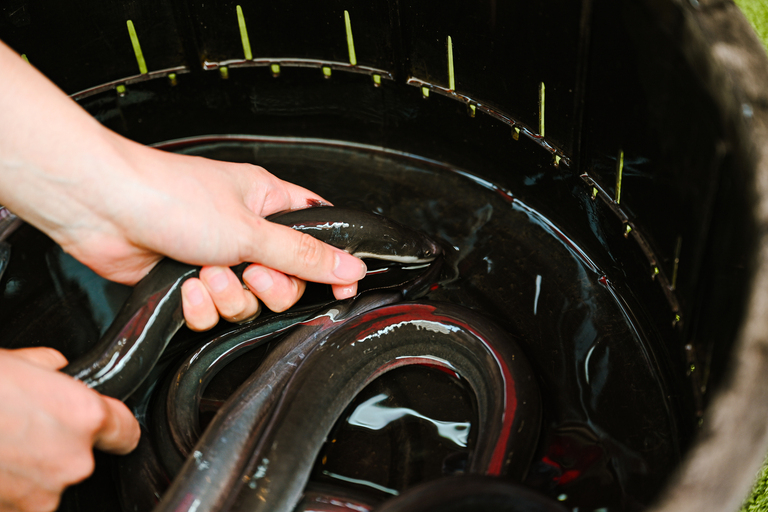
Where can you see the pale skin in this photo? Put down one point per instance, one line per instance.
(119, 207)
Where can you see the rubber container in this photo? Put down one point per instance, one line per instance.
(637, 127)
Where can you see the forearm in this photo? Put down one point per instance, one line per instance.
(52, 153)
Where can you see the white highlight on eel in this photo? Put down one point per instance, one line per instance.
(392, 257)
(538, 291)
(419, 324)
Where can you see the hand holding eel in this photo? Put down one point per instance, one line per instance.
(133, 343)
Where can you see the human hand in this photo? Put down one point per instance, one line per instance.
(118, 207)
(49, 424)
(228, 229)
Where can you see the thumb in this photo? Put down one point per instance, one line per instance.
(119, 433)
(298, 254)
(44, 357)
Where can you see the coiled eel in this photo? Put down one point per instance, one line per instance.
(133, 343)
(182, 400)
(446, 335)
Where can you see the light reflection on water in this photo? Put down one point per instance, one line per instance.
(372, 415)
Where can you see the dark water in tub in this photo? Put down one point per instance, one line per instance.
(608, 438)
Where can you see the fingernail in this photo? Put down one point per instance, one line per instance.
(258, 279)
(217, 280)
(348, 268)
(346, 292)
(252, 317)
(194, 294)
(314, 203)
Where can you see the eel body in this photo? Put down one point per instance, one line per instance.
(5, 256)
(375, 342)
(331, 498)
(470, 493)
(186, 388)
(364, 235)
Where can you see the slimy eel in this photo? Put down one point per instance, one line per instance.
(345, 361)
(470, 493)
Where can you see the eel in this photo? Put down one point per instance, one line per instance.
(133, 343)
(330, 498)
(8, 224)
(365, 235)
(175, 419)
(216, 465)
(438, 334)
(470, 493)
(141, 479)
(5, 256)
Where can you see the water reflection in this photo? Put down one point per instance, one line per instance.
(372, 415)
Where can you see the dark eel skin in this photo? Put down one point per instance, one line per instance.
(470, 493)
(133, 343)
(182, 401)
(342, 364)
(219, 458)
(8, 224)
(142, 479)
(5, 257)
(175, 426)
(330, 498)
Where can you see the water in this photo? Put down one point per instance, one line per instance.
(609, 434)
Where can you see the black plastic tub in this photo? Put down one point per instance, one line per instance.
(598, 166)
